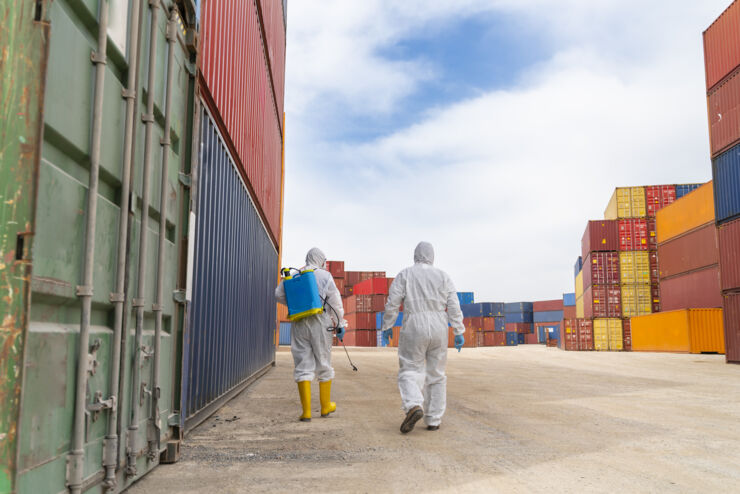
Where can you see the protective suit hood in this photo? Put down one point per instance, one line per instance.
(424, 253)
(315, 259)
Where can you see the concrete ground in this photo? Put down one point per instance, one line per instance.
(519, 419)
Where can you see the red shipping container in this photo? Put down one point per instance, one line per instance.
(365, 303)
(489, 324)
(519, 327)
(274, 25)
(389, 281)
(731, 313)
(695, 290)
(530, 339)
(473, 323)
(655, 293)
(729, 254)
(471, 339)
(658, 197)
(351, 278)
(689, 252)
(654, 267)
(489, 338)
(600, 236)
(601, 268)
(347, 291)
(602, 301)
(569, 335)
(547, 305)
(499, 338)
(722, 45)
(371, 286)
(336, 268)
(652, 234)
(569, 312)
(339, 282)
(366, 337)
(627, 335)
(585, 334)
(361, 320)
(724, 115)
(633, 234)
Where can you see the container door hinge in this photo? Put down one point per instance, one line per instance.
(143, 392)
(185, 179)
(179, 296)
(173, 420)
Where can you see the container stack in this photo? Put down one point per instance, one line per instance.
(568, 323)
(722, 67)
(484, 324)
(547, 317)
(518, 319)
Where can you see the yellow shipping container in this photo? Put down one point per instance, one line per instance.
(680, 331)
(580, 308)
(608, 334)
(636, 300)
(693, 210)
(626, 202)
(579, 285)
(634, 267)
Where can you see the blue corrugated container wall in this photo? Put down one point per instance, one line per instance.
(500, 323)
(379, 342)
(284, 333)
(520, 338)
(518, 307)
(578, 266)
(548, 316)
(230, 335)
(465, 297)
(541, 334)
(379, 319)
(683, 189)
(553, 332)
(512, 338)
(492, 309)
(472, 310)
(519, 317)
(726, 175)
(569, 299)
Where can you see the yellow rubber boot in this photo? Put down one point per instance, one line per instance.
(304, 390)
(327, 406)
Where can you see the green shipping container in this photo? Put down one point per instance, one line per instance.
(96, 139)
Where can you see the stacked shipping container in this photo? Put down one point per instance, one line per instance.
(722, 67)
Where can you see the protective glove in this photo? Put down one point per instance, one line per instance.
(387, 335)
(340, 333)
(459, 341)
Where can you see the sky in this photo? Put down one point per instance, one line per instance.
(493, 129)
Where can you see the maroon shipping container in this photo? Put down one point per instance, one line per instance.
(602, 301)
(371, 287)
(365, 303)
(237, 90)
(724, 115)
(489, 324)
(547, 305)
(569, 312)
(658, 197)
(273, 19)
(473, 323)
(569, 335)
(722, 46)
(731, 311)
(652, 235)
(689, 252)
(627, 335)
(339, 282)
(602, 235)
(655, 294)
(499, 338)
(530, 339)
(585, 334)
(361, 320)
(694, 290)
(729, 255)
(366, 337)
(601, 268)
(351, 278)
(633, 234)
(519, 327)
(654, 266)
(336, 268)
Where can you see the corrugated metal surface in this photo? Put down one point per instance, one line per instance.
(601, 268)
(694, 250)
(548, 316)
(692, 211)
(585, 329)
(683, 189)
(726, 175)
(547, 305)
(580, 308)
(579, 286)
(275, 27)
(569, 300)
(608, 334)
(633, 234)
(336, 268)
(602, 301)
(232, 315)
(601, 236)
(729, 255)
(578, 266)
(234, 70)
(682, 331)
(494, 324)
(627, 335)
(284, 333)
(697, 289)
(659, 196)
(517, 317)
(652, 236)
(722, 45)
(732, 326)
(518, 307)
(626, 202)
(569, 341)
(724, 115)
(636, 300)
(512, 339)
(634, 267)
(654, 267)
(519, 327)
(465, 297)
(492, 309)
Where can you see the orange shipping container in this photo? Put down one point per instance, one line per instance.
(679, 331)
(691, 211)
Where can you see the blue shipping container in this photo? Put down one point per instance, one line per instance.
(548, 316)
(520, 338)
(518, 307)
(569, 299)
(379, 319)
(284, 338)
(553, 332)
(465, 297)
(472, 310)
(519, 317)
(512, 338)
(541, 334)
(683, 189)
(230, 338)
(500, 323)
(578, 266)
(726, 174)
(379, 341)
(492, 309)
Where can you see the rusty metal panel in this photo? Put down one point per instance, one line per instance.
(23, 58)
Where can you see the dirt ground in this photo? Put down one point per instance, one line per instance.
(519, 419)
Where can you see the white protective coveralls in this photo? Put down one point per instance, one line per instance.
(425, 293)
(310, 340)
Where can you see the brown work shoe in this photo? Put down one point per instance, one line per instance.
(432, 427)
(412, 417)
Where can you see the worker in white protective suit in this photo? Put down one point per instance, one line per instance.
(311, 338)
(426, 293)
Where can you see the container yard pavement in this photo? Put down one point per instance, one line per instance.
(519, 419)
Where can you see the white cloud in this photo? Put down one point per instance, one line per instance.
(503, 183)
